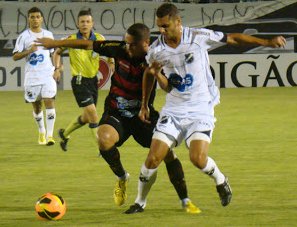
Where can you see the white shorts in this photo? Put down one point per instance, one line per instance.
(196, 126)
(37, 92)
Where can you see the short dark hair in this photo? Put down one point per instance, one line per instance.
(34, 10)
(85, 12)
(167, 9)
(139, 31)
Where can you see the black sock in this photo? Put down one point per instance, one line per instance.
(80, 121)
(93, 125)
(176, 176)
(112, 157)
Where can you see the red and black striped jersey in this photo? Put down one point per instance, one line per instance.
(126, 83)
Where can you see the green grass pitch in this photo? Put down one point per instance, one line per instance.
(254, 144)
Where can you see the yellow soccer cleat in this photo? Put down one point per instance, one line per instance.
(119, 194)
(50, 141)
(41, 139)
(191, 208)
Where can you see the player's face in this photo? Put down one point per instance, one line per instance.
(85, 24)
(136, 48)
(35, 20)
(170, 27)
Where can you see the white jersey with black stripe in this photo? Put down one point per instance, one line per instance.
(187, 69)
(38, 65)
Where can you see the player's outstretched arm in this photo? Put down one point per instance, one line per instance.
(243, 39)
(51, 43)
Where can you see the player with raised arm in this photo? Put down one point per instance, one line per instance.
(188, 114)
(120, 118)
(40, 78)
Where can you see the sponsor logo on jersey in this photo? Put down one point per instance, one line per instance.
(128, 108)
(180, 83)
(34, 59)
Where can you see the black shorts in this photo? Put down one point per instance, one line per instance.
(141, 132)
(85, 90)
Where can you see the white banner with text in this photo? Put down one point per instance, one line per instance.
(230, 71)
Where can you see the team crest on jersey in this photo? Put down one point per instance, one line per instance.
(34, 59)
(180, 83)
(189, 58)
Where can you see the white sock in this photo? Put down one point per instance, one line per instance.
(50, 121)
(146, 179)
(39, 121)
(213, 171)
(185, 201)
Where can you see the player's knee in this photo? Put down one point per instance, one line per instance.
(152, 161)
(89, 115)
(105, 140)
(37, 107)
(49, 103)
(198, 159)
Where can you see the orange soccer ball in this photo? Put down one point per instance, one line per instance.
(50, 206)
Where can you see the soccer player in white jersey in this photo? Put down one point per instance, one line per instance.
(188, 114)
(40, 77)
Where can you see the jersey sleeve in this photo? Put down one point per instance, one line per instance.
(19, 45)
(207, 38)
(108, 48)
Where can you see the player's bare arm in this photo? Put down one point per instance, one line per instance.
(25, 53)
(151, 73)
(51, 43)
(56, 58)
(148, 82)
(155, 70)
(243, 39)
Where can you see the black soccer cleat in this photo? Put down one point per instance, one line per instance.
(135, 208)
(225, 192)
(63, 143)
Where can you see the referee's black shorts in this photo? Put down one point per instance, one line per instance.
(85, 90)
(141, 132)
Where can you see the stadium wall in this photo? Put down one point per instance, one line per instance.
(244, 70)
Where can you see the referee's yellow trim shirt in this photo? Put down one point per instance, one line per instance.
(84, 62)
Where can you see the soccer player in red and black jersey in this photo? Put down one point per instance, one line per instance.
(122, 105)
